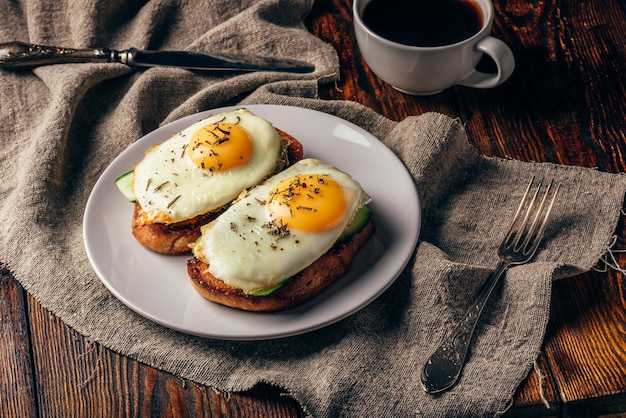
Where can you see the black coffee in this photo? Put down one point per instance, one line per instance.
(423, 22)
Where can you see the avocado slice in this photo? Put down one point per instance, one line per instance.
(359, 221)
(269, 290)
(125, 184)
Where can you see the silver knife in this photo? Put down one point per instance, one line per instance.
(16, 55)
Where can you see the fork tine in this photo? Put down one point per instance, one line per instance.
(529, 234)
(513, 228)
(522, 233)
(536, 238)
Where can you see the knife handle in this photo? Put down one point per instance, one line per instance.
(23, 55)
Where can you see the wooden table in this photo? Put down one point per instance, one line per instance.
(566, 103)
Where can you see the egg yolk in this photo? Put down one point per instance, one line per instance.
(310, 202)
(220, 147)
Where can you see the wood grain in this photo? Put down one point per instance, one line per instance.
(77, 377)
(586, 344)
(16, 374)
(565, 103)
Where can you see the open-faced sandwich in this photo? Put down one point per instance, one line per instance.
(284, 241)
(192, 177)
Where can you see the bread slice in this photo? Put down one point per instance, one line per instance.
(175, 238)
(301, 288)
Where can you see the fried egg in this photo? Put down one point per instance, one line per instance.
(280, 227)
(205, 166)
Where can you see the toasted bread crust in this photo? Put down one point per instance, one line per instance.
(304, 286)
(175, 238)
(172, 238)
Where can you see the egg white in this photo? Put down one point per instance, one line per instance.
(170, 188)
(241, 250)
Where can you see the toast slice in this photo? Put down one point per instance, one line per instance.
(174, 238)
(301, 288)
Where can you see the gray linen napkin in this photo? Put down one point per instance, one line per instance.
(60, 126)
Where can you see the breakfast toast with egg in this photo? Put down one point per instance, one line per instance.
(300, 288)
(175, 238)
(284, 241)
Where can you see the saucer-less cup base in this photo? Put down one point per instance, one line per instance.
(429, 70)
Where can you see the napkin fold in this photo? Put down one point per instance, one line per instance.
(60, 127)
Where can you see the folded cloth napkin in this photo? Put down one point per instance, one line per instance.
(60, 126)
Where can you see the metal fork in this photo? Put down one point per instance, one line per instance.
(442, 370)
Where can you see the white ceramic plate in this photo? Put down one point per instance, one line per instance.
(156, 286)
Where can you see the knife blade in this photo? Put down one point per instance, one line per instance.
(16, 55)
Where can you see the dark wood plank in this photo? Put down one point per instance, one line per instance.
(566, 101)
(586, 344)
(77, 377)
(17, 397)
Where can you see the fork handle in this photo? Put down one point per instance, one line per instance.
(442, 370)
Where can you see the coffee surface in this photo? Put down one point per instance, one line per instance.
(422, 22)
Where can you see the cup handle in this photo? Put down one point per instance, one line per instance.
(502, 56)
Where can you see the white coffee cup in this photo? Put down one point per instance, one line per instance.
(428, 70)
